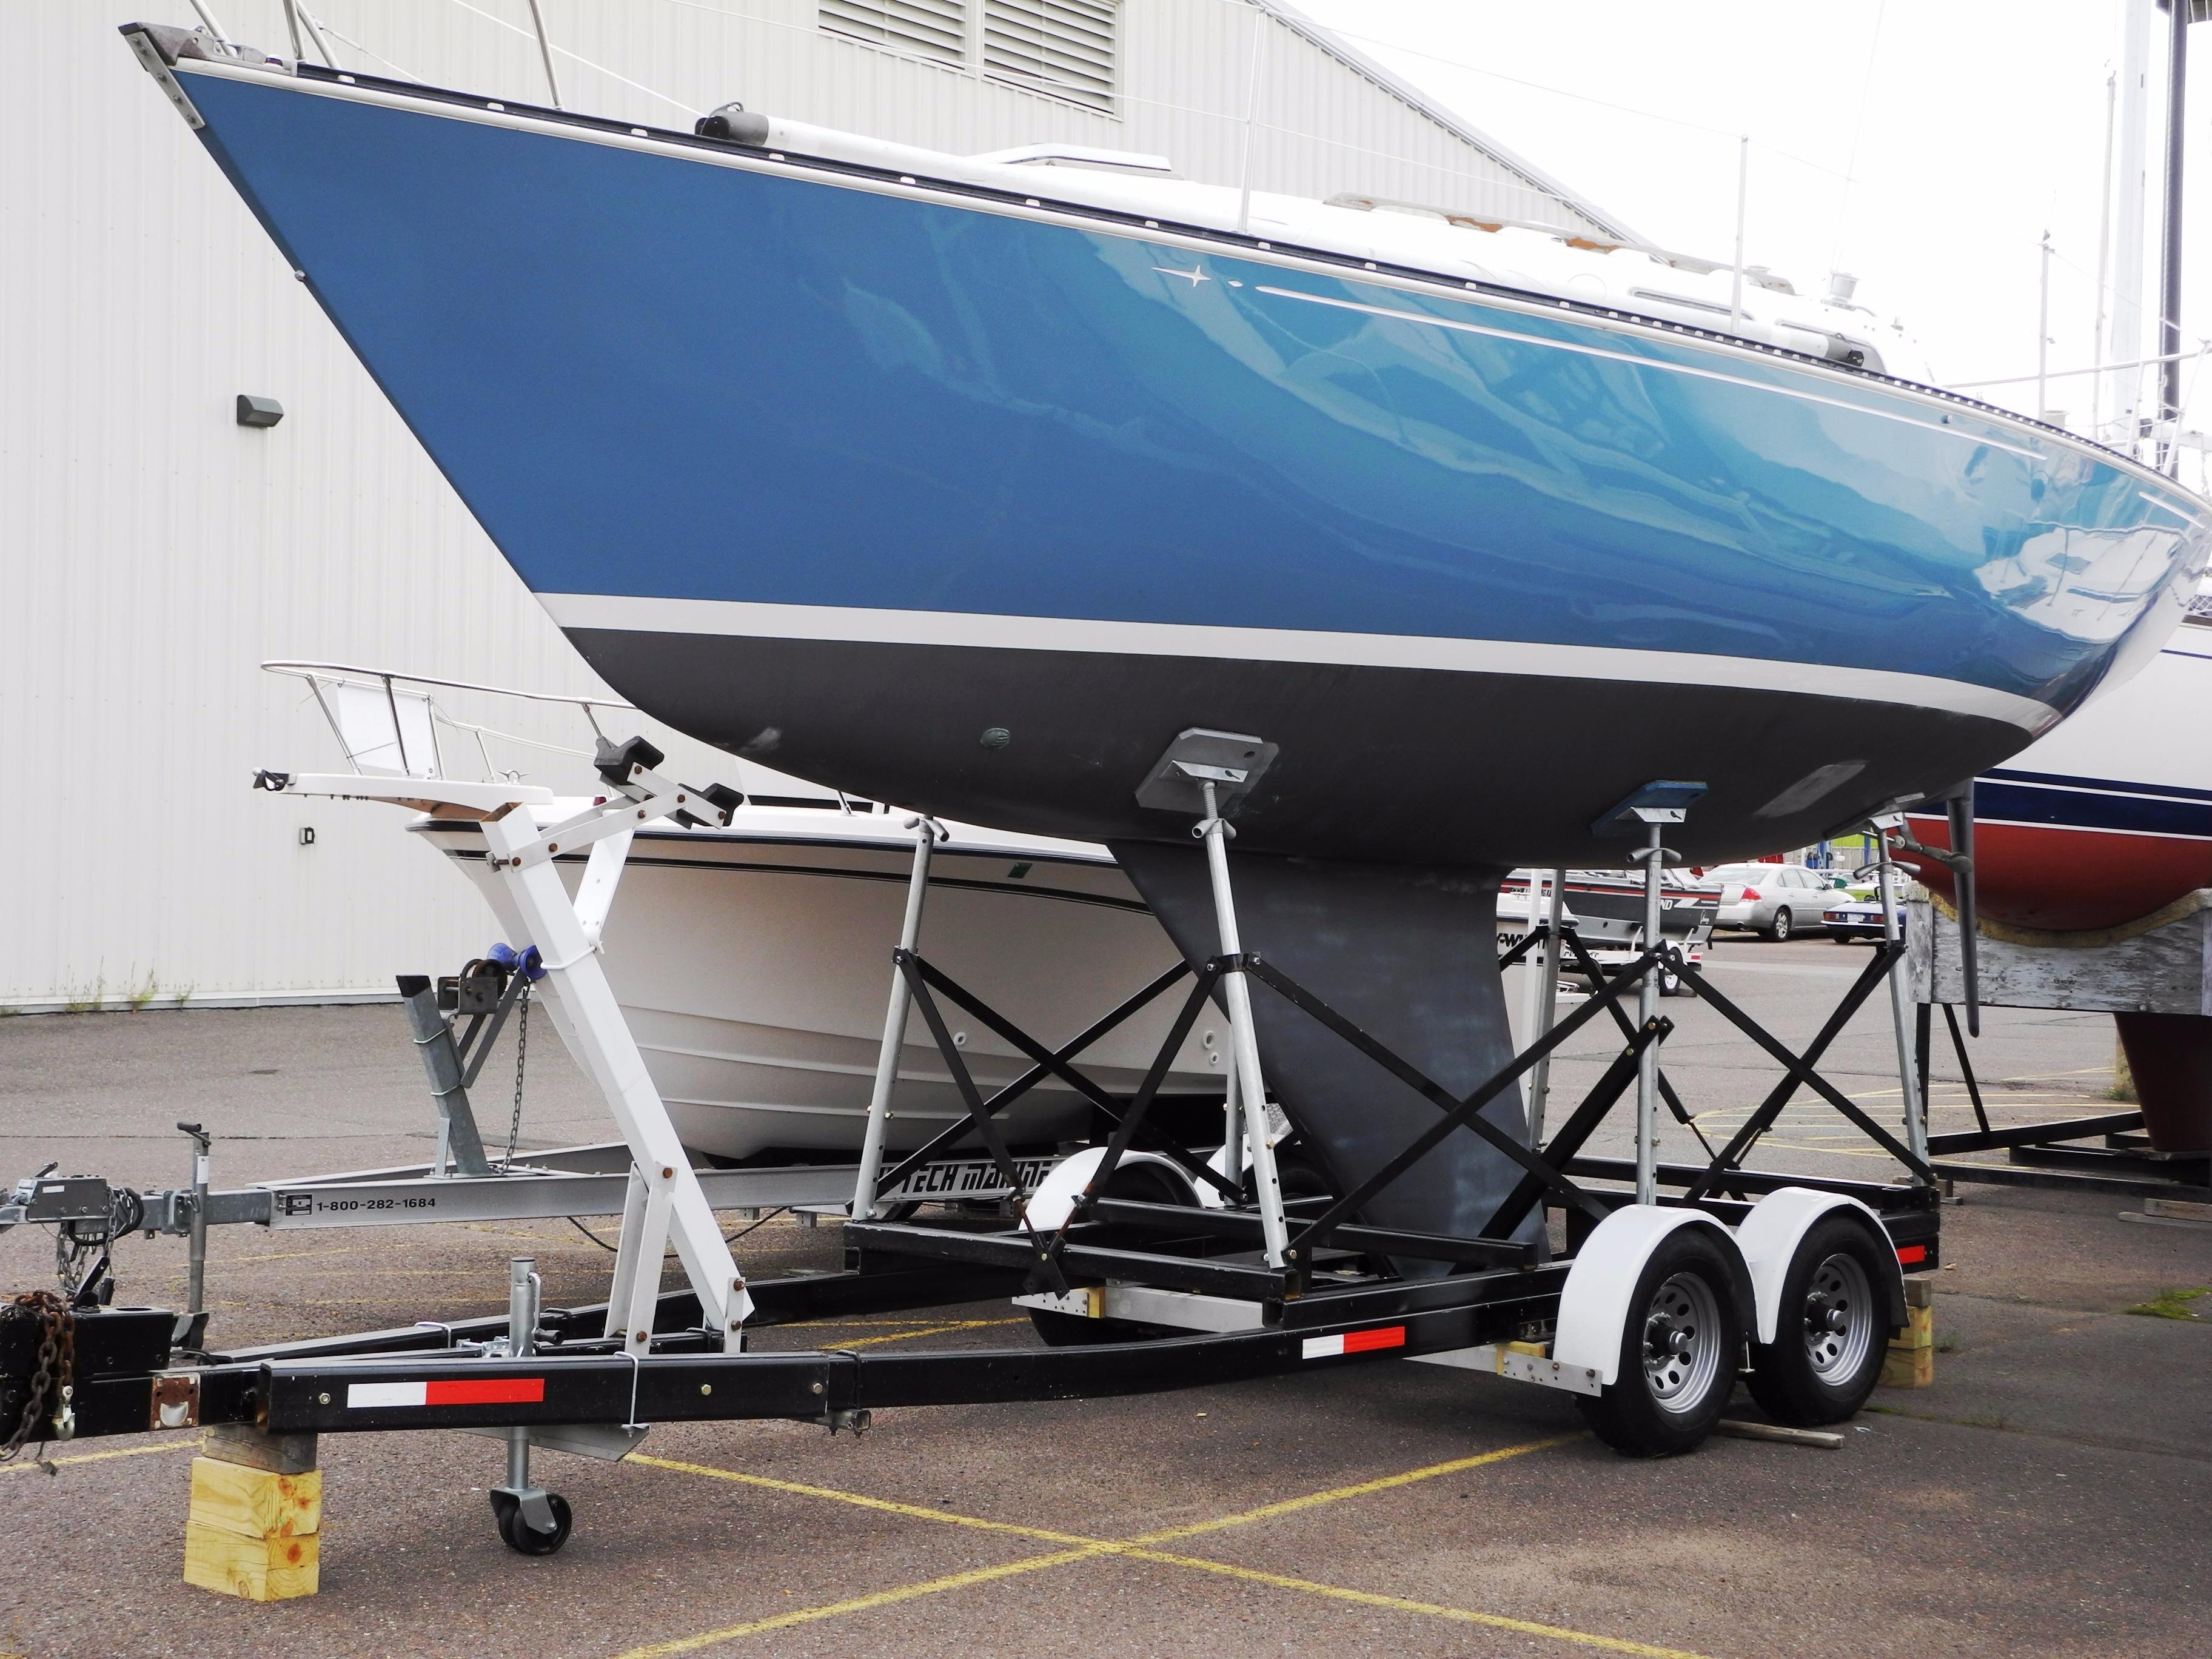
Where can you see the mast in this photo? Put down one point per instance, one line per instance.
(2123, 416)
(2169, 309)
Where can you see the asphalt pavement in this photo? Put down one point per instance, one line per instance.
(2051, 1493)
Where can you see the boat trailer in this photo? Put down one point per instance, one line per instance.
(1145, 1265)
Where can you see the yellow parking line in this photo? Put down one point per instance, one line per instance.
(1337, 1494)
(1133, 1549)
(932, 1330)
(859, 1604)
(860, 1500)
(1428, 1609)
(102, 1457)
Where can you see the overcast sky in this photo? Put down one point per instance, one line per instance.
(1968, 127)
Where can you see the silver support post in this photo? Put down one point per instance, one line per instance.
(545, 52)
(1742, 201)
(1226, 1162)
(1647, 1063)
(458, 1137)
(894, 1017)
(1908, 1081)
(1532, 984)
(330, 60)
(2043, 335)
(196, 1257)
(1251, 121)
(1547, 1005)
(1274, 1231)
(522, 1291)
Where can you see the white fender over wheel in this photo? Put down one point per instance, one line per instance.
(1053, 1200)
(1593, 1306)
(1829, 1291)
(1768, 1239)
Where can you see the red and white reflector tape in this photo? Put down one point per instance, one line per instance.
(1332, 1347)
(453, 1391)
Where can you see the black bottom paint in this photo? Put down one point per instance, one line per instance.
(1409, 955)
(1366, 860)
(1415, 766)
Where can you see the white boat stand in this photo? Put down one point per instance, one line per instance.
(665, 1203)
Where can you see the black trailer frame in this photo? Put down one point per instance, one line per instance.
(2049, 1154)
(1330, 1303)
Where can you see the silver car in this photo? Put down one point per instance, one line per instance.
(1777, 900)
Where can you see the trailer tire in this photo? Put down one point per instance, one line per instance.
(1143, 1183)
(1680, 1347)
(1830, 1343)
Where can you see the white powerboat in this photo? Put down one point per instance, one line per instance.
(753, 961)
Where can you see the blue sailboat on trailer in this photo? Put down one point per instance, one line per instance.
(968, 485)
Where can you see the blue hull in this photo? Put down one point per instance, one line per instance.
(840, 472)
(845, 472)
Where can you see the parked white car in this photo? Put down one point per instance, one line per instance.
(1777, 900)
(1855, 913)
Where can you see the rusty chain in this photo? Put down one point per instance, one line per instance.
(57, 1355)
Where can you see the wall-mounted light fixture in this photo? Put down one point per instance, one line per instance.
(259, 411)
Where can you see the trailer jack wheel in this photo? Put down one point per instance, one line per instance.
(519, 1528)
(1679, 1349)
(1828, 1348)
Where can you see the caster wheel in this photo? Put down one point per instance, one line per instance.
(1828, 1351)
(524, 1539)
(1679, 1347)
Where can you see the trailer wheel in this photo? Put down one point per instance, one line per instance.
(1828, 1351)
(1139, 1183)
(524, 1539)
(1062, 1330)
(1679, 1349)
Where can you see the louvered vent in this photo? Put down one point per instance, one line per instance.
(1063, 47)
(935, 29)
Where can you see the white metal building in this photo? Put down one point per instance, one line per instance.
(153, 551)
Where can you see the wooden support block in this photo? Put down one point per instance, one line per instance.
(257, 1569)
(1911, 1361)
(1913, 1368)
(1739, 1429)
(253, 1532)
(241, 1442)
(2175, 1209)
(256, 1502)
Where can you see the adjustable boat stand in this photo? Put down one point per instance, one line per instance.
(1650, 809)
(1225, 767)
(928, 833)
(556, 940)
